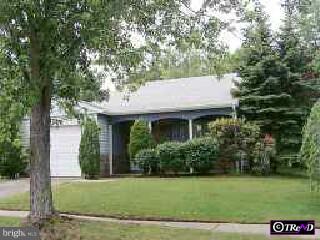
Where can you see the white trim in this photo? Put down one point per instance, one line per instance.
(173, 109)
(190, 129)
(234, 115)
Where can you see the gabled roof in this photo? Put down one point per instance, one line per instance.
(174, 95)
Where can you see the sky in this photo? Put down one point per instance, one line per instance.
(273, 9)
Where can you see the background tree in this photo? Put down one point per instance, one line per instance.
(12, 158)
(307, 16)
(13, 106)
(89, 153)
(189, 61)
(308, 19)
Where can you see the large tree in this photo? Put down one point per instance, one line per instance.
(308, 26)
(51, 43)
(271, 91)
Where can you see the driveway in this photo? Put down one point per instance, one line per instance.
(9, 188)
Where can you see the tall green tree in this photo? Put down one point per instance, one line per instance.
(308, 19)
(51, 44)
(269, 89)
(295, 55)
(308, 26)
(140, 138)
(89, 152)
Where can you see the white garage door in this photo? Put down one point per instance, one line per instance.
(65, 141)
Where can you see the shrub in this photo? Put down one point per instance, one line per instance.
(140, 138)
(235, 138)
(147, 159)
(171, 157)
(12, 159)
(264, 154)
(200, 154)
(310, 148)
(197, 155)
(90, 150)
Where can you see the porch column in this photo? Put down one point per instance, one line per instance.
(110, 150)
(190, 129)
(234, 114)
(190, 137)
(150, 126)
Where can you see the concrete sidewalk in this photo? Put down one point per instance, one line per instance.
(260, 229)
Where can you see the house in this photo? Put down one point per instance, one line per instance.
(176, 109)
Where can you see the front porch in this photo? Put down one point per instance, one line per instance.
(175, 126)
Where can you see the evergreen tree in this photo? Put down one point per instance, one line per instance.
(295, 55)
(140, 138)
(268, 90)
(90, 150)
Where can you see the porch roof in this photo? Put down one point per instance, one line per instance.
(172, 95)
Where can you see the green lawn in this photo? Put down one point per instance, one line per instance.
(108, 231)
(9, 222)
(234, 199)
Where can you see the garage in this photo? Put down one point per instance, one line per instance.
(65, 141)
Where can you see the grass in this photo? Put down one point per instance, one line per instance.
(231, 199)
(110, 231)
(115, 231)
(9, 222)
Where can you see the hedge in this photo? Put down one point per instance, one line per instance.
(200, 154)
(172, 157)
(147, 159)
(195, 156)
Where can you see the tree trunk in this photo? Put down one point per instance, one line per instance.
(41, 206)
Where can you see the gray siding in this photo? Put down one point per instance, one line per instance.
(104, 135)
(105, 144)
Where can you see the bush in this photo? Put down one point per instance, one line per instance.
(197, 155)
(264, 154)
(90, 150)
(171, 157)
(140, 138)
(310, 148)
(200, 154)
(12, 159)
(147, 159)
(235, 138)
